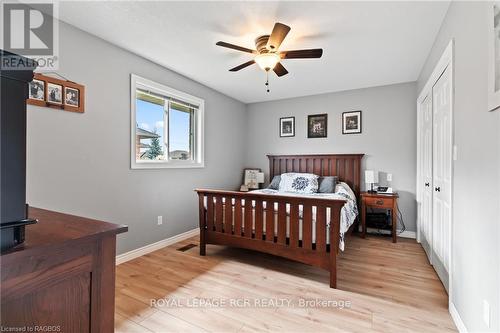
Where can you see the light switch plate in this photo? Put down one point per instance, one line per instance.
(389, 177)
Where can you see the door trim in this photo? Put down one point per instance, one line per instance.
(447, 59)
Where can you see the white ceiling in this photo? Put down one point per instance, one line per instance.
(365, 43)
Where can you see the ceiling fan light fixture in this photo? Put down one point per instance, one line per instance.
(267, 61)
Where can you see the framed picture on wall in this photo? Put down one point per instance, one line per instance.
(37, 90)
(494, 56)
(71, 96)
(287, 127)
(351, 122)
(317, 125)
(54, 93)
(252, 177)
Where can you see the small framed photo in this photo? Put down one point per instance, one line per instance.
(37, 90)
(287, 127)
(71, 96)
(252, 178)
(54, 93)
(351, 122)
(494, 56)
(317, 125)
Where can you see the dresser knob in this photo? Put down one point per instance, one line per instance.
(380, 202)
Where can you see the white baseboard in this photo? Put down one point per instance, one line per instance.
(457, 320)
(124, 257)
(408, 234)
(404, 234)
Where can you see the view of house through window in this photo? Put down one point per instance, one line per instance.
(164, 128)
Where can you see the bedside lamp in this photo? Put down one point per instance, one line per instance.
(260, 177)
(371, 178)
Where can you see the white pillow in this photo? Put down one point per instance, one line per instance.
(299, 183)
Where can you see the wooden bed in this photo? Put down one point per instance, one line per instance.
(227, 224)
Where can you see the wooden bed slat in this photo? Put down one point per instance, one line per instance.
(307, 227)
(248, 218)
(210, 212)
(321, 228)
(258, 219)
(270, 221)
(228, 216)
(218, 214)
(202, 222)
(317, 166)
(333, 169)
(326, 167)
(294, 225)
(281, 222)
(237, 217)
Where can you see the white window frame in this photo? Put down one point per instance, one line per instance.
(198, 160)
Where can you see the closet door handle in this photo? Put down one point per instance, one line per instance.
(437, 189)
(427, 184)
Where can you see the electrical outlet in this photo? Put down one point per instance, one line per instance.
(486, 313)
(160, 220)
(389, 177)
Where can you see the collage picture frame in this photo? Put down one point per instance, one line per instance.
(47, 91)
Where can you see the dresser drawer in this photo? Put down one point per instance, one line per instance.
(379, 202)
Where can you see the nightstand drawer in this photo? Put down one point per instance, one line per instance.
(379, 202)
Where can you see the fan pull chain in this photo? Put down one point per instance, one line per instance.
(267, 80)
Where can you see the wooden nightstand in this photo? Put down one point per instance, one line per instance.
(383, 201)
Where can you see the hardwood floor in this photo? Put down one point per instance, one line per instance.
(390, 287)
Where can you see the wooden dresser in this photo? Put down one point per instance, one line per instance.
(62, 279)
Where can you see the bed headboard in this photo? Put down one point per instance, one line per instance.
(346, 166)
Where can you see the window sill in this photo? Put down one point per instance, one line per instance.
(166, 165)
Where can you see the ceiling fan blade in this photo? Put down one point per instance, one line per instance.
(235, 47)
(246, 64)
(298, 54)
(277, 36)
(280, 70)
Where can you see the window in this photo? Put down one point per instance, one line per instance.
(167, 127)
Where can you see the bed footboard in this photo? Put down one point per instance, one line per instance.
(292, 227)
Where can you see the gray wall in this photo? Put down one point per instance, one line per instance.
(388, 134)
(475, 271)
(80, 163)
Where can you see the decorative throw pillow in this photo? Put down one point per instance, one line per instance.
(299, 183)
(275, 183)
(327, 184)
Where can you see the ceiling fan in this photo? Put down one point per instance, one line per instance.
(267, 55)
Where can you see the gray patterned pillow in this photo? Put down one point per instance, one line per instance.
(327, 184)
(275, 183)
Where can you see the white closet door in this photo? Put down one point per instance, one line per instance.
(442, 173)
(426, 175)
